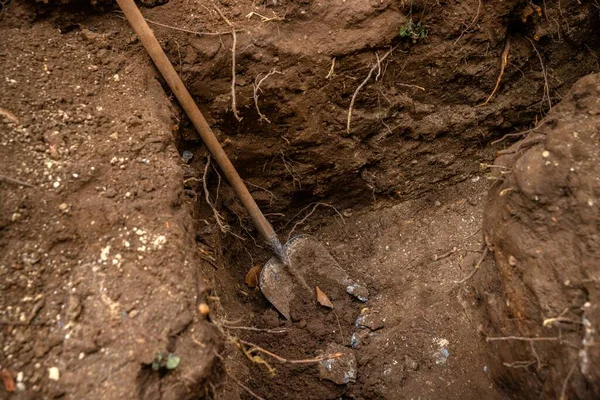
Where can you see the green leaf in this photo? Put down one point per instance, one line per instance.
(173, 361)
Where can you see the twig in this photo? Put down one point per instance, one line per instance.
(523, 339)
(15, 181)
(254, 348)
(246, 388)
(563, 392)
(310, 213)
(224, 227)
(199, 33)
(545, 75)
(233, 45)
(256, 87)
(503, 64)
(485, 252)
(364, 82)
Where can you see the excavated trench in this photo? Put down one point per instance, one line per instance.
(420, 133)
(397, 197)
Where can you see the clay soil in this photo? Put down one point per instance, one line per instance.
(111, 256)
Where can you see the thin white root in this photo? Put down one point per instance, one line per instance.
(377, 67)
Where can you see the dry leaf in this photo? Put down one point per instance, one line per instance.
(323, 299)
(8, 380)
(252, 276)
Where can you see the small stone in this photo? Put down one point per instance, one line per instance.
(340, 369)
(53, 373)
(81, 355)
(204, 309)
(545, 154)
(370, 320)
(133, 313)
(512, 261)
(187, 156)
(20, 376)
(63, 207)
(21, 387)
(437, 203)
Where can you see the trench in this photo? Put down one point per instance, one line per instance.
(397, 201)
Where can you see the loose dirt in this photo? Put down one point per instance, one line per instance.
(109, 249)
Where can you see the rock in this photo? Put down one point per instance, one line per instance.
(369, 319)
(340, 370)
(358, 291)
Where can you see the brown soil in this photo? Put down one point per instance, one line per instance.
(105, 260)
(542, 221)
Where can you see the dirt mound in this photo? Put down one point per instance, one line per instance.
(543, 224)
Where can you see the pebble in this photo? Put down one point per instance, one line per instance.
(340, 370)
(53, 373)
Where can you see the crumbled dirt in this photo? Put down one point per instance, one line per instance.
(97, 262)
(542, 222)
(105, 260)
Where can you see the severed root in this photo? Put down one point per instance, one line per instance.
(502, 68)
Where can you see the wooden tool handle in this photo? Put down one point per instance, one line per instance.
(141, 28)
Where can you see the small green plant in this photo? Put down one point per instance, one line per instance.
(168, 362)
(412, 30)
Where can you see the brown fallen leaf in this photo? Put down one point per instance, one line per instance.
(323, 299)
(8, 380)
(252, 276)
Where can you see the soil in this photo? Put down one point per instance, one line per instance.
(542, 221)
(111, 256)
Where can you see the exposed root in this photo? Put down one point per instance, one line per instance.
(290, 170)
(377, 67)
(315, 205)
(519, 364)
(332, 69)
(264, 19)
(253, 348)
(523, 339)
(15, 181)
(503, 64)
(563, 392)
(447, 254)
(252, 328)
(8, 115)
(233, 45)
(544, 73)
(175, 28)
(218, 217)
(256, 87)
(485, 252)
(468, 27)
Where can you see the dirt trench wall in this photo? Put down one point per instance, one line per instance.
(543, 224)
(419, 123)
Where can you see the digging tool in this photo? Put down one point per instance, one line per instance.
(283, 273)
